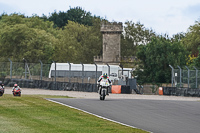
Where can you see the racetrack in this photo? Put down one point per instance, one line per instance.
(158, 114)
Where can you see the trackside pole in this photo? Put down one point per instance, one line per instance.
(172, 73)
(180, 75)
(95, 76)
(188, 76)
(41, 69)
(55, 75)
(69, 72)
(196, 76)
(10, 69)
(108, 69)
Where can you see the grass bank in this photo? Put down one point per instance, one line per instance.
(34, 114)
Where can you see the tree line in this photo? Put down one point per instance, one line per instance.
(75, 36)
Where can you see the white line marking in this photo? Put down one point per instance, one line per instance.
(95, 115)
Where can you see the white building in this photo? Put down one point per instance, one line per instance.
(88, 70)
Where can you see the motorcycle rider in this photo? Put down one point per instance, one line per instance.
(1, 84)
(104, 77)
(15, 87)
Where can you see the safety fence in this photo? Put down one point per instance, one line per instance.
(39, 75)
(185, 81)
(40, 71)
(27, 71)
(185, 77)
(36, 75)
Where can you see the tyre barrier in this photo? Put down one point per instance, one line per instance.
(174, 91)
(51, 85)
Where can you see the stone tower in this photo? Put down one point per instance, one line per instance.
(111, 43)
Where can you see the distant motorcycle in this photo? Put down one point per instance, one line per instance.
(1, 91)
(17, 92)
(103, 88)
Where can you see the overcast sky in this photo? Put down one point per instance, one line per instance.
(163, 16)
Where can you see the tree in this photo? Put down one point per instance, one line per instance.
(76, 14)
(197, 59)
(192, 38)
(36, 39)
(78, 43)
(155, 58)
(60, 19)
(134, 35)
(29, 38)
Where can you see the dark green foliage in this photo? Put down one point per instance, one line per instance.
(155, 58)
(76, 14)
(60, 19)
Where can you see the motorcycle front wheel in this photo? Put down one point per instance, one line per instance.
(103, 95)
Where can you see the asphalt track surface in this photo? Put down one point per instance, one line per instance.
(157, 116)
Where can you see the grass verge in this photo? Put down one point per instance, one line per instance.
(34, 114)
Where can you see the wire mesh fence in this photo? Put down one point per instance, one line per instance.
(81, 77)
(185, 77)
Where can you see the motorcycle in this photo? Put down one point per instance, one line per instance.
(1, 91)
(17, 92)
(103, 88)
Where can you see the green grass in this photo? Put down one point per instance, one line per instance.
(34, 114)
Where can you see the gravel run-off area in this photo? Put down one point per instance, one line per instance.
(95, 95)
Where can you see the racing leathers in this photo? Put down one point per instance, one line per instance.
(101, 78)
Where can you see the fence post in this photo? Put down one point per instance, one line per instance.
(180, 75)
(55, 76)
(188, 76)
(95, 76)
(41, 69)
(196, 76)
(82, 74)
(69, 71)
(172, 74)
(108, 69)
(122, 68)
(25, 64)
(10, 69)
